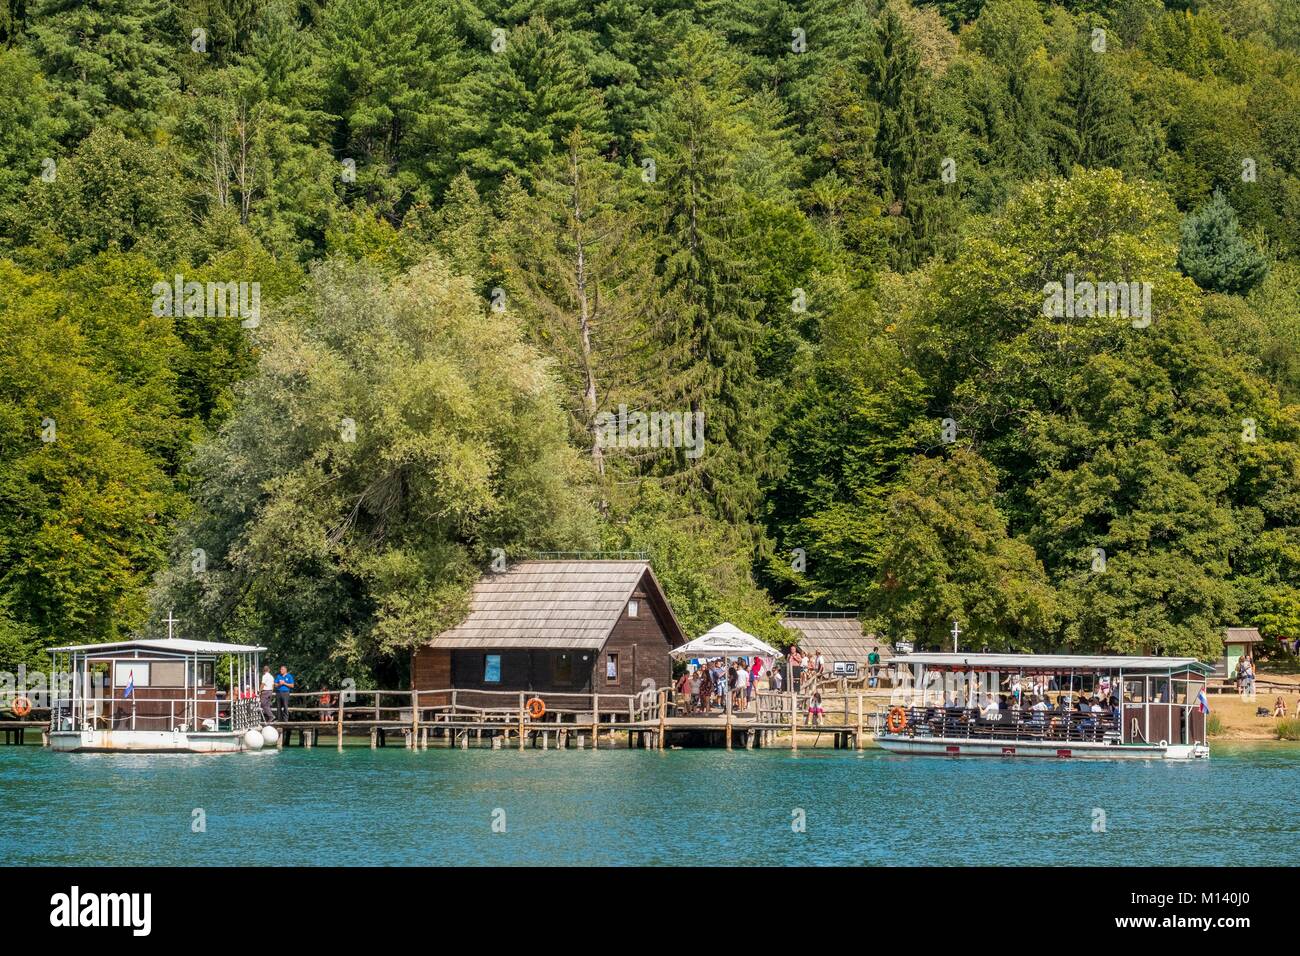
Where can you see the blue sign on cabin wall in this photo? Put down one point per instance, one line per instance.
(491, 668)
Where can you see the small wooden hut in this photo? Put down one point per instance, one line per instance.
(839, 638)
(557, 626)
(1238, 642)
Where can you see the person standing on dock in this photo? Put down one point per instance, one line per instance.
(268, 691)
(283, 688)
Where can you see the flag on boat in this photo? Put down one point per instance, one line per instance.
(1202, 701)
(130, 685)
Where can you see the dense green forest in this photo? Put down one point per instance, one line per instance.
(990, 310)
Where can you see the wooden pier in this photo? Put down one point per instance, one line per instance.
(502, 720)
(652, 720)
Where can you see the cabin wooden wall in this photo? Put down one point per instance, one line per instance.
(642, 646)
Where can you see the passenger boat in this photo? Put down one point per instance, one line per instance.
(156, 696)
(1154, 707)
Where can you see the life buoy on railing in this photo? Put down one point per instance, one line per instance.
(897, 720)
(21, 707)
(536, 708)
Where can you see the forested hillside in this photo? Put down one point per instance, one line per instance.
(990, 311)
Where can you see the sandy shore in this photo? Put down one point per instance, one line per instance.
(1238, 715)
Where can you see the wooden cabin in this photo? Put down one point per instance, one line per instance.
(556, 626)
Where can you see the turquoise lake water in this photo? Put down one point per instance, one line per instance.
(692, 807)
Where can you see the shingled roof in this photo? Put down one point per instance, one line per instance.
(554, 604)
(838, 638)
(1241, 635)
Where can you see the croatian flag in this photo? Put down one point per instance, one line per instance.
(1202, 701)
(130, 686)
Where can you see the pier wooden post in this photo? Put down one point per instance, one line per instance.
(415, 718)
(663, 710)
(857, 740)
(794, 725)
(727, 690)
(374, 737)
(340, 701)
(595, 721)
(521, 721)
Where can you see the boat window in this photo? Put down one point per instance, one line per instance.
(491, 668)
(1160, 690)
(130, 672)
(1135, 690)
(1181, 694)
(169, 674)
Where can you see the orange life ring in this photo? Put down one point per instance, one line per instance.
(897, 720)
(21, 707)
(536, 708)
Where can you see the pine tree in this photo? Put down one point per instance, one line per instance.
(107, 60)
(1093, 117)
(694, 139)
(1215, 253)
(578, 265)
(908, 146)
(523, 103)
(391, 72)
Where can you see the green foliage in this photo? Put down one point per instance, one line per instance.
(396, 430)
(946, 556)
(1215, 253)
(108, 60)
(1288, 729)
(824, 226)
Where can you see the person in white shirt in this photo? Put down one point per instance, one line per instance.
(991, 711)
(742, 682)
(268, 693)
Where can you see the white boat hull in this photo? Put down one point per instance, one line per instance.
(147, 741)
(1071, 750)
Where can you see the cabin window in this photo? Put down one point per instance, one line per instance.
(130, 673)
(1160, 690)
(491, 668)
(564, 668)
(632, 608)
(611, 668)
(169, 674)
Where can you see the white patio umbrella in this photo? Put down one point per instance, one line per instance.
(725, 640)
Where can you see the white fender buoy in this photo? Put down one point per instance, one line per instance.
(270, 735)
(253, 739)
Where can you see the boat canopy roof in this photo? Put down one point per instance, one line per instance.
(1054, 662)
(174, 645)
